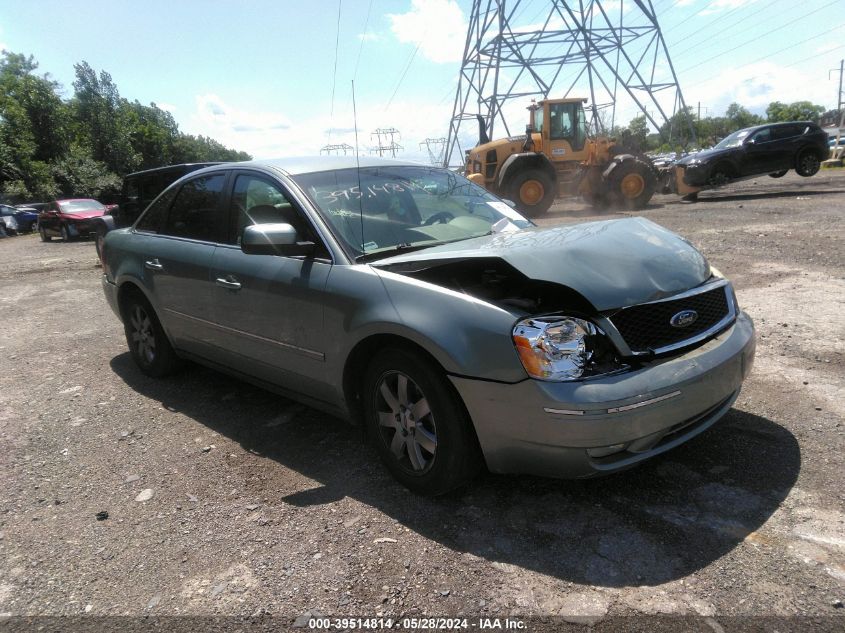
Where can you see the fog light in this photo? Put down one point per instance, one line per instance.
(604, 451)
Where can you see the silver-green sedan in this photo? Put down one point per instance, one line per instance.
(412, 301)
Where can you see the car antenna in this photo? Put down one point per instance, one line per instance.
(358, 168)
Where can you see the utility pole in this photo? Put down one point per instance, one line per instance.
(839, 95)
(435, 147)
(340, 147)
(382, 148)
(589, 49)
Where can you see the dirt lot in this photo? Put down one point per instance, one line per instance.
(224, 499)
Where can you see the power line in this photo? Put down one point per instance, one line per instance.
(405, 72)
(766, 34)
(741, 23)
(363, 36)
(334, 73)
(718, 18)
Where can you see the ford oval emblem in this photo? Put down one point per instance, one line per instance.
(684, 318)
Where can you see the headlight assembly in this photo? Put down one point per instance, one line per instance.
(560, 348)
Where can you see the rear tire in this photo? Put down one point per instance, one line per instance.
(148, 344)
(418, 424)
(533, 191)
(632, 184)
(779, 174)
(807, 164)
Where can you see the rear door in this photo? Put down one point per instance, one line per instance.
(177, 259)
(269, 308)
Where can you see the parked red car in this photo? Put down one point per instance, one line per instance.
(69, 219)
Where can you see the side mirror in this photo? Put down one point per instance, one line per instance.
(274, 239)
(510, 203)
(751, 141)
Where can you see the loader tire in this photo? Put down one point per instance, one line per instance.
(533, 191)
(631, 184)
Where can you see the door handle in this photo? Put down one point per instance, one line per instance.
(154, 264)
(229, 283)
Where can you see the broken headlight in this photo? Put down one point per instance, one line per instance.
(560, 348)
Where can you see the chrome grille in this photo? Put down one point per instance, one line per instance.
(646, 327)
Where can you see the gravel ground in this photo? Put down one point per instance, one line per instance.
(223, 499)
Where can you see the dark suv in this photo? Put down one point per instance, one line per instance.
(139, 190)
(771, 149)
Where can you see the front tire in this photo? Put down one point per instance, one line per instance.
(418, 423)
(779, 174)
(808, 163)
(720, 176)
(533, 191)
(632, 184)
(146, 339)
(43, 233)
(65, 233)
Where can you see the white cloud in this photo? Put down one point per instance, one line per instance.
(167, 107)
(368, 37)
(755, 86)
(438, 27)
(270, 135)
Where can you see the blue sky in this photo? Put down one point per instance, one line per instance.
(263, 75)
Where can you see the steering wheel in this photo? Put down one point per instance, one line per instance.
(441, 216)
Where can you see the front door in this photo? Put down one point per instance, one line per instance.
(269, 309)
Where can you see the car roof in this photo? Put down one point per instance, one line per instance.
(180, 167)
(310, 164)
(60, 200)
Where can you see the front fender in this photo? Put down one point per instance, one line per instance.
(467, 336)
(530, 159)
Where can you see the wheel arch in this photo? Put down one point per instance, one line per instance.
(517, 162)
(358, 358)
(355, 369)
(126, 288)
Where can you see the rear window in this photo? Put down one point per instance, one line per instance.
(196, 211)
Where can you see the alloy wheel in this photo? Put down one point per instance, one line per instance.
(143, 336)
(406, 423)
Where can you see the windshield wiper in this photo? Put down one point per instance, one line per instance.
(407, 248)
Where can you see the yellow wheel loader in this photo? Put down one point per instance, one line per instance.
(555, 158)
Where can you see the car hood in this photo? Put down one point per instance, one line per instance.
(612, 264)
(706, 155)
(84, 215)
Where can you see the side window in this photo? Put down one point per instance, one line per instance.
(763, 136)
(153, 220)
(195, 213)
(786, 131)
(257, 200)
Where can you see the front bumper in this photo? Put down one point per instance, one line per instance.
(564, 429)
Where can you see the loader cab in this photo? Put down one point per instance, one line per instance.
(562, 126)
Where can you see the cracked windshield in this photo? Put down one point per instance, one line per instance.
(378, 211)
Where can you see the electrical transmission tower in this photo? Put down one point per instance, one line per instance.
(337, 148)
(435, 147)
(611, 53)
(383, 146)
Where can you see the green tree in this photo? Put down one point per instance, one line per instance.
(105, 120)
(77, 174)
(796, 111)
(33, 127)
(738, 117)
